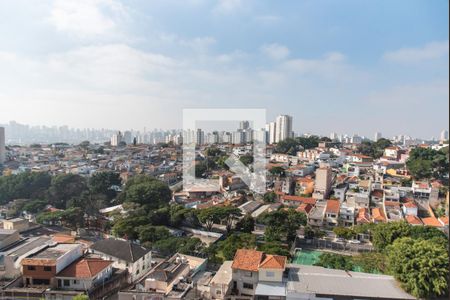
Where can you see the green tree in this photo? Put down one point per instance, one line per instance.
(81, 297)
(384, 234)
(344, 232)
(270, 197)
(246, 159)
(147, 191)
(236, 241)
(274, 248)
(25, 185)
(371, 262)
(104, 183)
(149, 233)
(246, 224)
(335, 261)
(279, 171)
(216, 214)
(64, 187)
(422, 267)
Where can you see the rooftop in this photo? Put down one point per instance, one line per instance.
(321, 281)
(124, 250)
(246, 259)
(85, 268)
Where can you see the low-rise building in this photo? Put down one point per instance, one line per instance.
(84, 273)
(40, 268)
(125, 255)
(18, 224)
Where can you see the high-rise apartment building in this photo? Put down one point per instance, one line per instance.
(444, 135)
(272, 132)
(2, 145)
(200, 137)
(116, 139)
(283, 128)
(377, 136)
(244, 125)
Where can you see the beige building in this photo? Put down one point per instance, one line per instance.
(323, 183)
(18, 224)
(257, 275)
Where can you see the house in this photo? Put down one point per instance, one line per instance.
(40, 268)
(410, 209)
(295, 201)
(363, 216)
(125, 255)
(332, 212)
(18, 224)
(84, 273)
(392, 152)
(11, 258)
(378, 215)
(169, 273)
(259, 275)
(317, 214)
(220, 284)
(340, 191)
(346, 215)
(304, 186)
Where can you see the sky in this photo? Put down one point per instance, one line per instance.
(346, 66)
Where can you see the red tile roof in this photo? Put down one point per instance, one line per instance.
(333, 206)
(299, 199)
(413, 220)
(431, 221)
(247, 260)
(273, 262)
(85, 268)
(444, 220)
(363, 216)
(378, 215)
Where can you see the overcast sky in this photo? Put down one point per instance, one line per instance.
(341, 66)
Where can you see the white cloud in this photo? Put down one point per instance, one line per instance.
(430, 51)
(275, 51)
(85, 18)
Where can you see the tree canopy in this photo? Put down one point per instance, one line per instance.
(421, 266)
(428, 163)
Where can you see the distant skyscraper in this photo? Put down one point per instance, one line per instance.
(444, 135)
(334, 136)
(127, 137)
(272, 132)
(243, 125)
(200, 137)
(283, 128)
(377, 136)
(2, 145)
(116, 139)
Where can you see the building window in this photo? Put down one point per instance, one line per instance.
(270, 274)
(66, 282)
(47, 269)
(75, 282)
(31, 268)
(248, 286)
(218, 292)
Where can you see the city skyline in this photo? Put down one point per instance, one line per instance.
(116, 64)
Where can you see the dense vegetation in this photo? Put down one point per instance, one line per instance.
(428, 163)
(417, 256)
(292, 146)
(374, 149)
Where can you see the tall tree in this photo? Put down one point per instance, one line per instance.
(422, 267)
